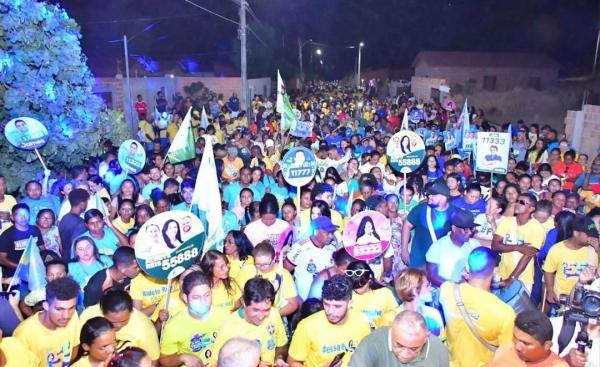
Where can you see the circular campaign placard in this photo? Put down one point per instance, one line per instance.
(367, 235)
(26, 133)
(299, 166)
(168, 243)
(406, 151)
(132, 156)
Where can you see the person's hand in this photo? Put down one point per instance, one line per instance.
(280, 363)
(5, 216)
(336, 364)
(587, 275)
(527, 250)
(575, 358)
(163, 315)
(551, 296)
(405, 256)
(190, 360)
(506, 282)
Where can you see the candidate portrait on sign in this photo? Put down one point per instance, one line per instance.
(299, 159)
(22, 135)
(493, 159)
(366, 233)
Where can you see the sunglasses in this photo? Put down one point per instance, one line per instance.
(522, 202)
(356, 273)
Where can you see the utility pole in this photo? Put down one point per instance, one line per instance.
(129, 109)
(300, 62)
(360, 46)
(596, 53)
(244, 76)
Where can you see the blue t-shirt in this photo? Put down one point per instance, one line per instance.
(232, 194)
(281, 193)
(476, 209)
(432, 176)
(44, 202)
(581, 178)
(148, 190)
(106, 245)
(82, 273)
(421, 241)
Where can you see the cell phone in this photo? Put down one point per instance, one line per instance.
(337, 359)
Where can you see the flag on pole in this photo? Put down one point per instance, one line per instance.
(404, 125)
(183, 148)
(203, 119)
(289, 120)
(463, 127)
(349, 203)
(208, 199)
(31, 269)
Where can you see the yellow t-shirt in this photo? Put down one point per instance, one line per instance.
(270, 334)
(588, 198)
(175, 305)
(53, 347)
(172, 131)
(17, 354)
(567, 264)
(221, 299)
(492, 318)
(6, 206)
(231, 169)
(532, 232)
(237, 266)
(265, 159)
(148, 130)
(316, 341)
(139, 331)
(148, 290)
(185, 334)
(285, 288)
(374, 303)
(548, 224)
(122, 226)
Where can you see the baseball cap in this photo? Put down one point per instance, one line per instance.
(463, 218)
(324, 224)
(439, 187)
(585, 225)
(269, 143)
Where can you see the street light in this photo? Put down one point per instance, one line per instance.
(360, 46)
(300, 47)
(319, 52)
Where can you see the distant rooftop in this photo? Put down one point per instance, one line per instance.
(485, 59)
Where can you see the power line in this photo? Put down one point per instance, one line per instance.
(144, 19)
(212, 12)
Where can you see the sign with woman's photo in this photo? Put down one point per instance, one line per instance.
(406, 151)
(26, 133)
(298, 166)
(132, 156)
(367, 235)
(168, 242)
(492, 152)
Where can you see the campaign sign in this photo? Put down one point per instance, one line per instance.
(169, 242)
(416, 115)
(132, 156)
(286, 239)
(449, 105)
(406, 151)
(302, 129)
(298, 166)
(26, 133)
(367, 235)
(492, 152)
(450, 142)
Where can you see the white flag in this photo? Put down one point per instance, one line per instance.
(280, 93)
(203, 119)
(208, 199)
(182, 148)
(404, 125)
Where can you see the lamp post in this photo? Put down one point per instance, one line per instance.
(300, 47)
(360, 46)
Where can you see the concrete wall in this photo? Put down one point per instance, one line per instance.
(506, 78)
(583, 129)
(421, 87)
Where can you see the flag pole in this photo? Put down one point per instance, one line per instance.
(404, 194)
(166, 308)
(19, 265)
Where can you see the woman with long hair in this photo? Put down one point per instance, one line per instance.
(454, 184)
(86, 261)
(246, 198)
(432, 169)
(97, 343)
(171, 233)
(511, 195)
(238, 249)
(46, 222)
(369, 297)
(366, 232)
(128, 190)
(258, 175)
(226, 293)
(142, 214)
(538, 154)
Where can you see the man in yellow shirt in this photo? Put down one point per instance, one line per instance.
(567, 259)
(492, 319)
(53, 334)
(519, 239)
(173, 127)
(189, 336)
(337, 330)
(147, 292)
(13, 353)
(257, 320)
(130, 324)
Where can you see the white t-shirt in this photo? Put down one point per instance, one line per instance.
(257, 231)
(485, 230)
(309, 261)
(450, 258)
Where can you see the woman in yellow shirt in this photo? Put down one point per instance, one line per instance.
(98, 342)
(226, 293)
(238, 250)
(368, 296)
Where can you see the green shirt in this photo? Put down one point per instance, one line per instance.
(375, 351)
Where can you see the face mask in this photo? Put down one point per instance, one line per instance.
(199, 308)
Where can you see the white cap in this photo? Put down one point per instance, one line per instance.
(269, 143)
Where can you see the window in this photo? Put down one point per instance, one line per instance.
(489, 82)
(534, 82)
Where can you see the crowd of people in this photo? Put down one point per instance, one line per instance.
(481, 269)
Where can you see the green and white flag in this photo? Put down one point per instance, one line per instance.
(183, 148)
(284, 107)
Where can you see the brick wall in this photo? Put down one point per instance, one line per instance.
(588, 120)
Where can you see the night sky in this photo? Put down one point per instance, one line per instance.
(393, 31)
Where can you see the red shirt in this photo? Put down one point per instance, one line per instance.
(569, 172)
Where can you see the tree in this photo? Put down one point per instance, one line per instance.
(44, 75)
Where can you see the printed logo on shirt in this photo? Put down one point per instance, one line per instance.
(311, 268)
(201, 341)
(20, 245)
(571, 270)
(62, 358)
(348, 347)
